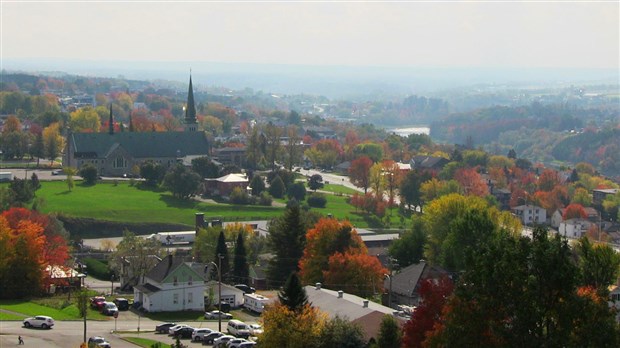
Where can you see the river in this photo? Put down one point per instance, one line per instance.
(405, 131)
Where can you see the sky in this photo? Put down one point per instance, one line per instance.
(533, 34)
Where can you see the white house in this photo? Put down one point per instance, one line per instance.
(574, 228)
(172, 285)
(530, 214)
(230, 294)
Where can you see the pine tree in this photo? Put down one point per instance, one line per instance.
(389, 333)
(287, 238)
(241, 270)
(293, 294)
(221, 251)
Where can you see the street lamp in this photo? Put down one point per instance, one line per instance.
(219, 300)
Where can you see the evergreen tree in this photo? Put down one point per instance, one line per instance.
(257, 185)
(293, 295)
(277, 187)
(287, 237)
(342, 333)
(389, 333)
(221, 251)
(241, 270)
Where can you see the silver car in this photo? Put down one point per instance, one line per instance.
(41, 321)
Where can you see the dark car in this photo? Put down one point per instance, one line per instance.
(184, 332)
(245, 288)
(163, 328)
(122, 304)
(208, 339)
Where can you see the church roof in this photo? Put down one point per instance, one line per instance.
(140, 144)
(190, 109)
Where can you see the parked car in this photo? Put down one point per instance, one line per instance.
(238, 328)
(221, 342)
(41, 321)
(98, 341)
(122, 304)
(234, 343)
(217, 314)
(172, 329)
(109, 308)
(255, 329)
(97, 302)
(163, 328)
(198, 334)
(208, 339)
(245, 288)
(57, 172)
(183, 332)
(248, 344)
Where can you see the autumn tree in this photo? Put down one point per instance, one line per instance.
(138, 256)
(85, 120)
(582, 196)
(327, 237)
(342, 333)
(54, 143)
(393, 176)
(359, 172)
(574, 211)
(283, 327)
(377, 180)
(355, 272)
(548, 179)
(293, 149)
(325, 153)
(471, 182)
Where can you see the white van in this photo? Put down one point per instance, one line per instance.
(238, 328)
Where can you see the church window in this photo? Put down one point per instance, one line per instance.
(120, 162)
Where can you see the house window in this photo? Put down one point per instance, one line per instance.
(189, 282)
(175, 298)
(190, 297)
(175, 281)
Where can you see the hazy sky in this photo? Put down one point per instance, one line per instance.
(418, 34)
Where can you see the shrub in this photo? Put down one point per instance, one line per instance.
(257, 184)
(265, 199)
(88, 172)
(97, 268)
(277, 188)
(317, 200)
(297, 191)
(239, 196)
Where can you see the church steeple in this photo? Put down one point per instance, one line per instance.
(130, 123)
(111, 122)
(190, 109)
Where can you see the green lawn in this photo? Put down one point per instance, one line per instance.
(10, 316)
(122, 202)
(339, 189)
(53, 307)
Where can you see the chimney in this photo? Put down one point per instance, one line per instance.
(340, 292)
(318, 286)
(200, 221)
(365, 303)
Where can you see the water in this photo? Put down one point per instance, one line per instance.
(405, 131)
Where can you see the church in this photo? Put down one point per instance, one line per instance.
(117, 153)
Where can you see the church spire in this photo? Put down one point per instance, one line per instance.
(130, 123)
(190, 109)
(111, 122)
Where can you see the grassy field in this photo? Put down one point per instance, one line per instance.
(145, 342)
(28, 309)
(122, 202)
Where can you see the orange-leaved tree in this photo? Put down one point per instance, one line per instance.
(355, 273)
(327, 237)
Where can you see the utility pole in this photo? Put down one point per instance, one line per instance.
(219, 303)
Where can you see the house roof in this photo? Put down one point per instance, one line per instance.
(230, 178)
(258, 272)
(379, 237)
(141, 144)
(405, 281)
(147, 288)
(428, 162)
(165, 267)
(524, 207)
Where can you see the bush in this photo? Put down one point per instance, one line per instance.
(297, 191)
(277, 188)
(97, 269)
(265, 199)
(317, 200)
(239, 196)
(88, 172)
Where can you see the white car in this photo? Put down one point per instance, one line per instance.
(99, 342)
(109, 308)
(234, 343)
(221, 342)
(198, 334)
(255, 329)
(217, 314)
(41, 321)
(175, 328)
(248, 344)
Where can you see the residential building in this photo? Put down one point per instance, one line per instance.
(598, 195)
(230, 294)
(172, 285)
(223, 186)
(574, 228)
(530, 214)
(405, 284)
(231, 155)
(558, 216)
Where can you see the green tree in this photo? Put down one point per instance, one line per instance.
(374, 151)
(341, 333)
(297, 191)
(389, 333)
(69, 172)
(152, 172)
(22, 191)
(205, 167)
(287, 238)
(315, 182)
(204, 246)
(409, 248)
(137, 254)
(277, 188)
(221, 255)
(241, 271)
(182, 182)
(257, 185)
(599, 265)
(85, 120)
(292, 294)
(410, 193)
(38, 149)
(88, 172)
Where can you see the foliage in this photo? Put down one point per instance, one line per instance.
(359, 172)
(315, 182)
(139, 251)
(317, 200)
(88, 172)
(257, 185)
(287, 238)
(97, 269)
(325, 153)
(285, 328)
(342, 333)
(22, 191)
(277, 188)
(152, 172)
(327, 237)
(297, 191)
(239, 196)
(471, 182)
(389, 333)
(205, 167)
(599, 265)
(574, 211)
(182, 182)
(265, 199)
(293, 295)
(85, 120)
(409, 248)
(204, 246)
(53, 141)
(241, 270)
(221, 255)
(373, 151)
(354, 272)
(410, 186)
